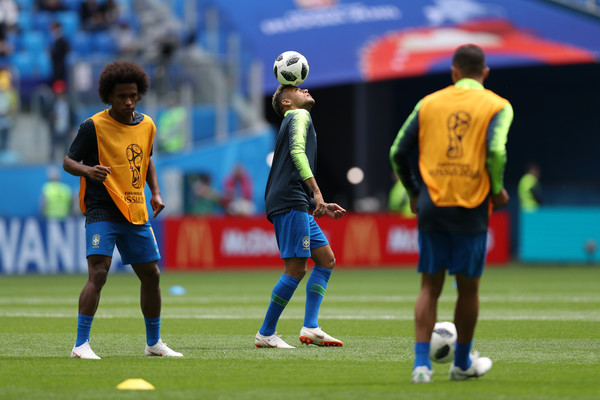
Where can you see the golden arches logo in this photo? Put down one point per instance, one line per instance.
(361, 241)
(194, 244)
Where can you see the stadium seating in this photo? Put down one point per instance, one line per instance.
(32, 65)
(23, 62)
(103, 43)
(81, 44)
(33, 41)
(69, 20)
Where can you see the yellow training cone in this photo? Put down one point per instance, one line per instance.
(135, 384)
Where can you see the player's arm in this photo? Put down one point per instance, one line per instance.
(298, 131)
(97, 173)
(78, 151)
(497, 135)
(404, 144)
(156, 200)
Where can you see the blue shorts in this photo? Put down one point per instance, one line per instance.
(136, 243)
(297, 233)
(459, 253)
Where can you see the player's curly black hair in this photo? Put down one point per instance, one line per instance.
(122, 72)
(276, 100)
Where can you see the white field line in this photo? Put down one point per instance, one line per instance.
(570, 317)
(121, 300)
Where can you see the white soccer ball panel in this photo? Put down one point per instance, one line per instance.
(290, 68)
(443, 340)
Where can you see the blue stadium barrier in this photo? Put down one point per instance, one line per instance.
(204, 122)
(560, 235)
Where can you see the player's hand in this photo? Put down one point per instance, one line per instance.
(157, 204)
(500, 199)
(98, 173)
(320, 205)
(334, 210)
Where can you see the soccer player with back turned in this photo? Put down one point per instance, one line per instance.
(460, 134)
(111, 153)
(291, 193)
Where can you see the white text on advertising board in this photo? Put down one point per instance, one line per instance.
(31, 245)
(402, 240)
(255, 242)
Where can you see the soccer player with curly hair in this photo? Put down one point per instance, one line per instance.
(112, 156)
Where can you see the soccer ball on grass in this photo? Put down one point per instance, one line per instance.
(443, 340)
(290, 68)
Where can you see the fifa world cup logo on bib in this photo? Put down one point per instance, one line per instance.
(135, 156)
(458, 125)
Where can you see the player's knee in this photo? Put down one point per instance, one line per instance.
(98, 277)
(467, 286)
(297, 272)
(149, 276)
(98, 270)
(329, 262)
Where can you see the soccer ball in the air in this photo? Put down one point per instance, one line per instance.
(443, 339)
(290, 68)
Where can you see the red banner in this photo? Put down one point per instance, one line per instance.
(366, 240)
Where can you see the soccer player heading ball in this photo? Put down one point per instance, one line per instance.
(291, 195)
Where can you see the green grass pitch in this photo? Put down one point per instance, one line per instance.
(540, 326)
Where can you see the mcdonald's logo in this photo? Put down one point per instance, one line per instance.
(361, 241)
(194, 244)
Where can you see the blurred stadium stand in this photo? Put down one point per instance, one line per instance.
(188, 50)
(182, 44)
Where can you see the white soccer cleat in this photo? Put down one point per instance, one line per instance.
(160, 349)
(422, 374)
(479, 367)
(84, 351)
(274, 341)
(317, 337)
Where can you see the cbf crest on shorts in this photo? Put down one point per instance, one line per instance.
(96, 241)
(306, 243)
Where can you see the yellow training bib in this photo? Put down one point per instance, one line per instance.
(452, 144)
(126, 150)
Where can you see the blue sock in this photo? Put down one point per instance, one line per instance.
(282, 293)
(84, 324)
(315, 290)
(462, 357)
(152, 330)
(422, 355)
